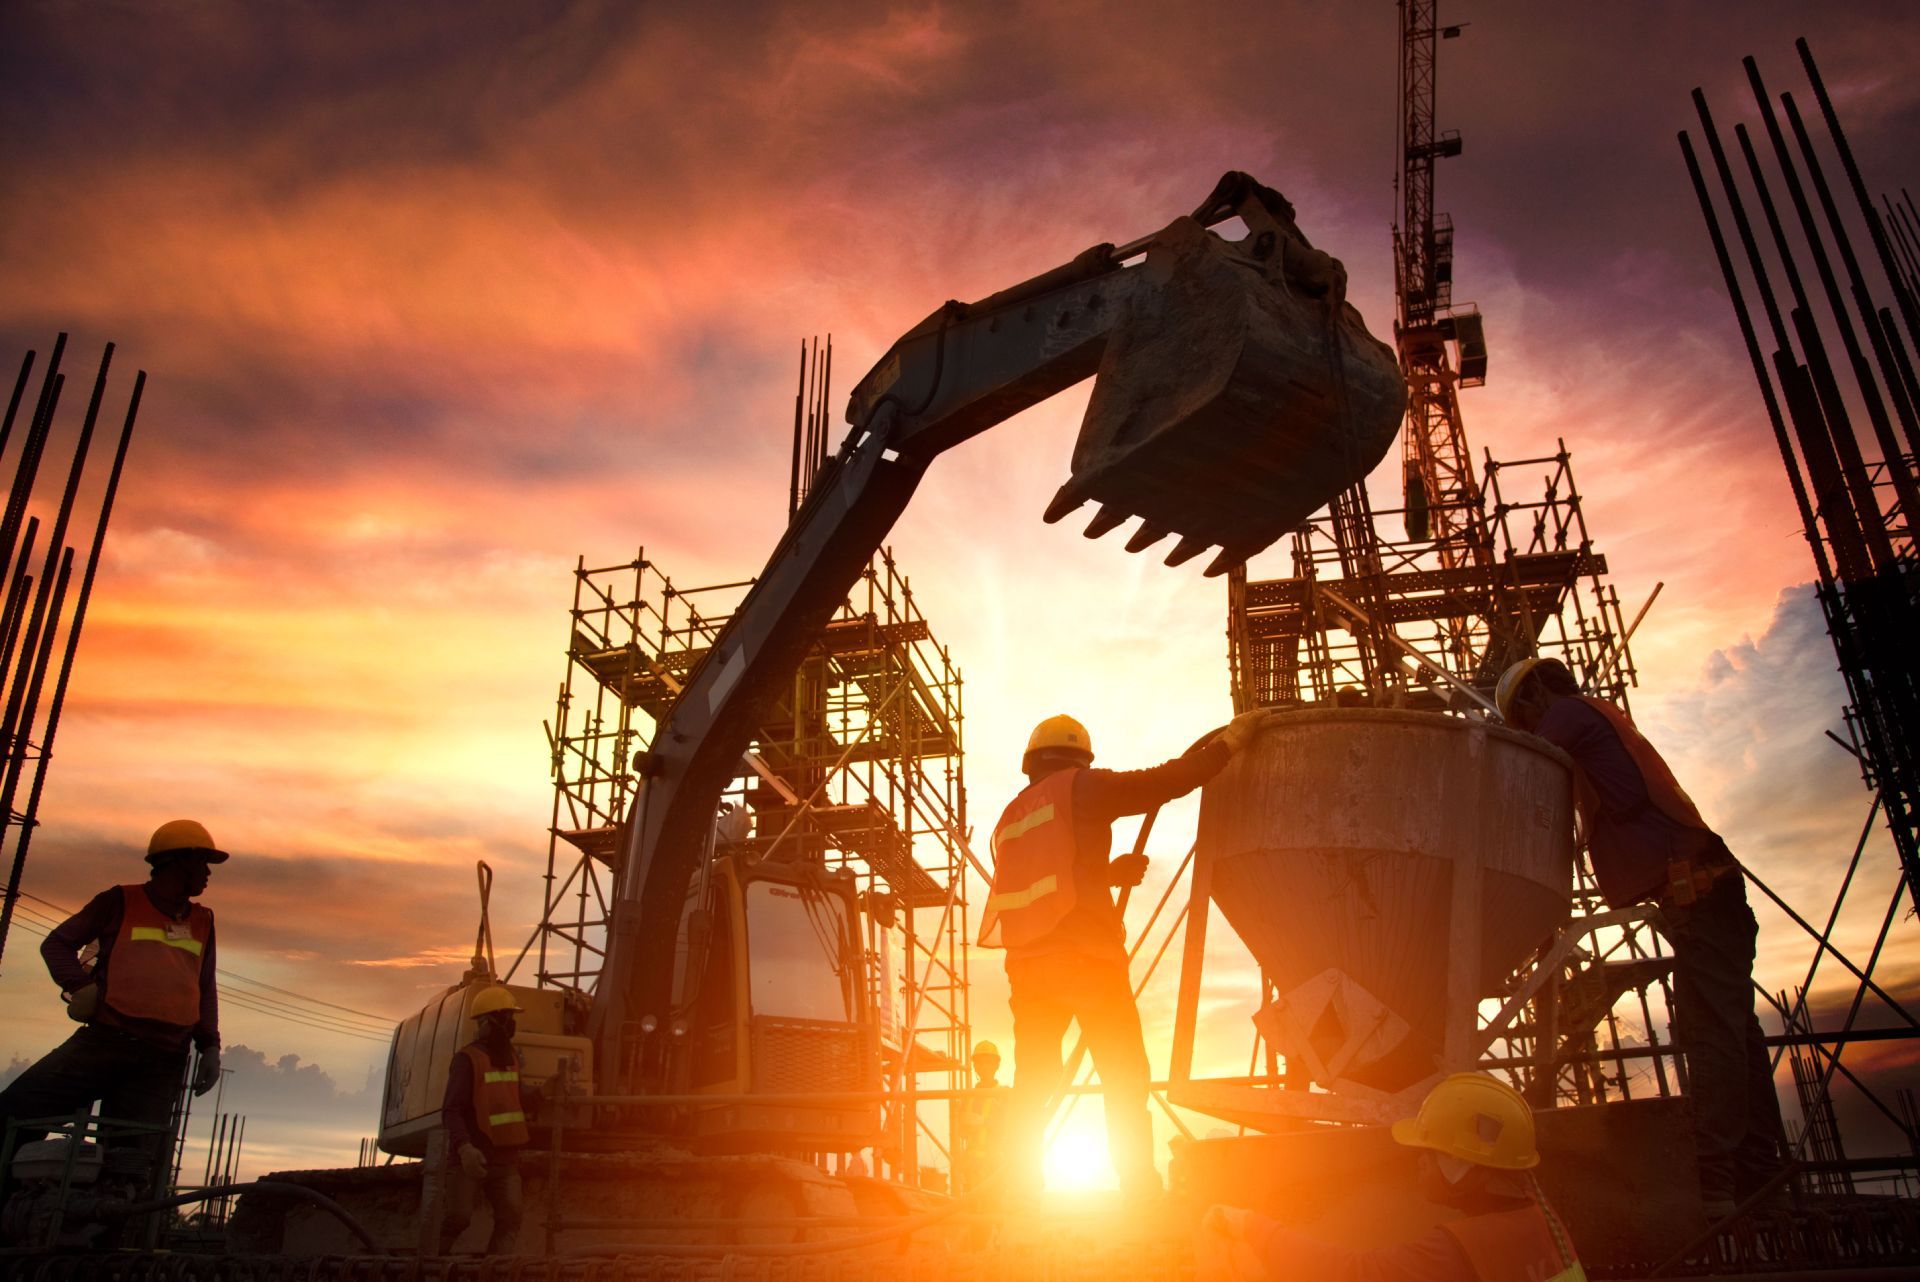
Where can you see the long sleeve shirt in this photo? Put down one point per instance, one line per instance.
(100, 920)
(1094, 927)
(1630, 839)
(1434, 1256)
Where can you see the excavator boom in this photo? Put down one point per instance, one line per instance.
(1237, 392)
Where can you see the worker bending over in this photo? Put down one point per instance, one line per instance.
(1647, 841)
(1475, 1136)
(145, 995)
(1052, 909)
(486, 1125)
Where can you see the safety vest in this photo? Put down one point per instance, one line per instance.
(497, 1109)
(1626, 872)
(1526, 1244)
(1033, 852)
(153, 970)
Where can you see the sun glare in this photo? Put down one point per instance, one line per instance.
(1077, 1159)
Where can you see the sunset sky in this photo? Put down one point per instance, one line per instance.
(435, 297)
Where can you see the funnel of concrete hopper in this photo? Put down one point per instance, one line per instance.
(1237, 395)
(1336, 843)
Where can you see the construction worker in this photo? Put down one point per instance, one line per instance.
(1647, 841)
(1475, 1136)
(980, 1122)
(142, 998)
(486, 1125)
(1051, 907)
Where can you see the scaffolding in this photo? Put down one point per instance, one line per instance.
(858, 767)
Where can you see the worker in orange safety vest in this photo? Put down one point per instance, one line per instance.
(486, 1123)
(136, 969)
(1476, 1141)
(1647, 841)
(1052, 908)
(980, 1123)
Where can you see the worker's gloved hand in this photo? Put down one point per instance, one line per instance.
(207, 1072)
(83, 1003)
(1127, 870)
(1223, 1250)
(473, 1162)
(1239, 732)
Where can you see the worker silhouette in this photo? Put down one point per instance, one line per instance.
(1476, 1141)
(980, 1123)
(1647, 841)
(1051, 907)
(144, 997)
(486, 1125)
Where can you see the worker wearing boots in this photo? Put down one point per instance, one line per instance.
(143, 997)
(1051, 907)
(1647, 841)
(1477, 1154)
(486, 1126)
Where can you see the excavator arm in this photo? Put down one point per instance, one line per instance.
(1237, 393)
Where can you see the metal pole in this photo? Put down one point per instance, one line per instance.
(17, 588)
(13, 403)
(1891, 453)
(29, 815)
(1901, 293)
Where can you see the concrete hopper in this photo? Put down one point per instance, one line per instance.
(1387, 869)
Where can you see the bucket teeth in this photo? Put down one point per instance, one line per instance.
(1186, 549)
(1146, 536)
(1064, 502)
(1228, 558)
(1108, 518)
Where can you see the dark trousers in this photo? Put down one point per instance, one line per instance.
(501, 1187)
(1736, 1112)
(1049, 993)
(135, 1081)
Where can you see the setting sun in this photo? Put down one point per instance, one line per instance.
(1077, 1157)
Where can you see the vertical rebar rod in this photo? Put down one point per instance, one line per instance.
(28, 468)
(1819, 415)
(1747, 334)
(22, 745)
(29, 816)
(1893, 457)
(1901, 293)
(799, 395)
(18, 585)
(13, 403)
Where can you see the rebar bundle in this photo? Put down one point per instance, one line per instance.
(42, 611)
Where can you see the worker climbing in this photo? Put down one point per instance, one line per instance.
(1476, 1148)
(486, 1124)
(1052, 909)
(1647, 841)
(144, 997)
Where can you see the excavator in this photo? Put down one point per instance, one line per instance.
(1237, 391)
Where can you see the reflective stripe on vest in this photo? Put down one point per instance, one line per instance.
(1526, 1244)
(1033, 849)
(497, 1110)
(153, 968)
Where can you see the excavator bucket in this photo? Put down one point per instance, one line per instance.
(1238, 394)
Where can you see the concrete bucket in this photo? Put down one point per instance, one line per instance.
(1387, 869)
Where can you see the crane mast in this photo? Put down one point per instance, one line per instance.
(1443, 500)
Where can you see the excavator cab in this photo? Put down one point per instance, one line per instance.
(773, 1000)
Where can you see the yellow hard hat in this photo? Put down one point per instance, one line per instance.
(986, 1050)
(497, 997)
(1059, 736)
(1510, 683)
(1475, 1118)
(183, 836)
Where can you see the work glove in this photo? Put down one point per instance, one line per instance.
(473, 1162)
(207, 1072)
(1239, 732)
(1127, 870)
(83, 1003)
(1223, 1251)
